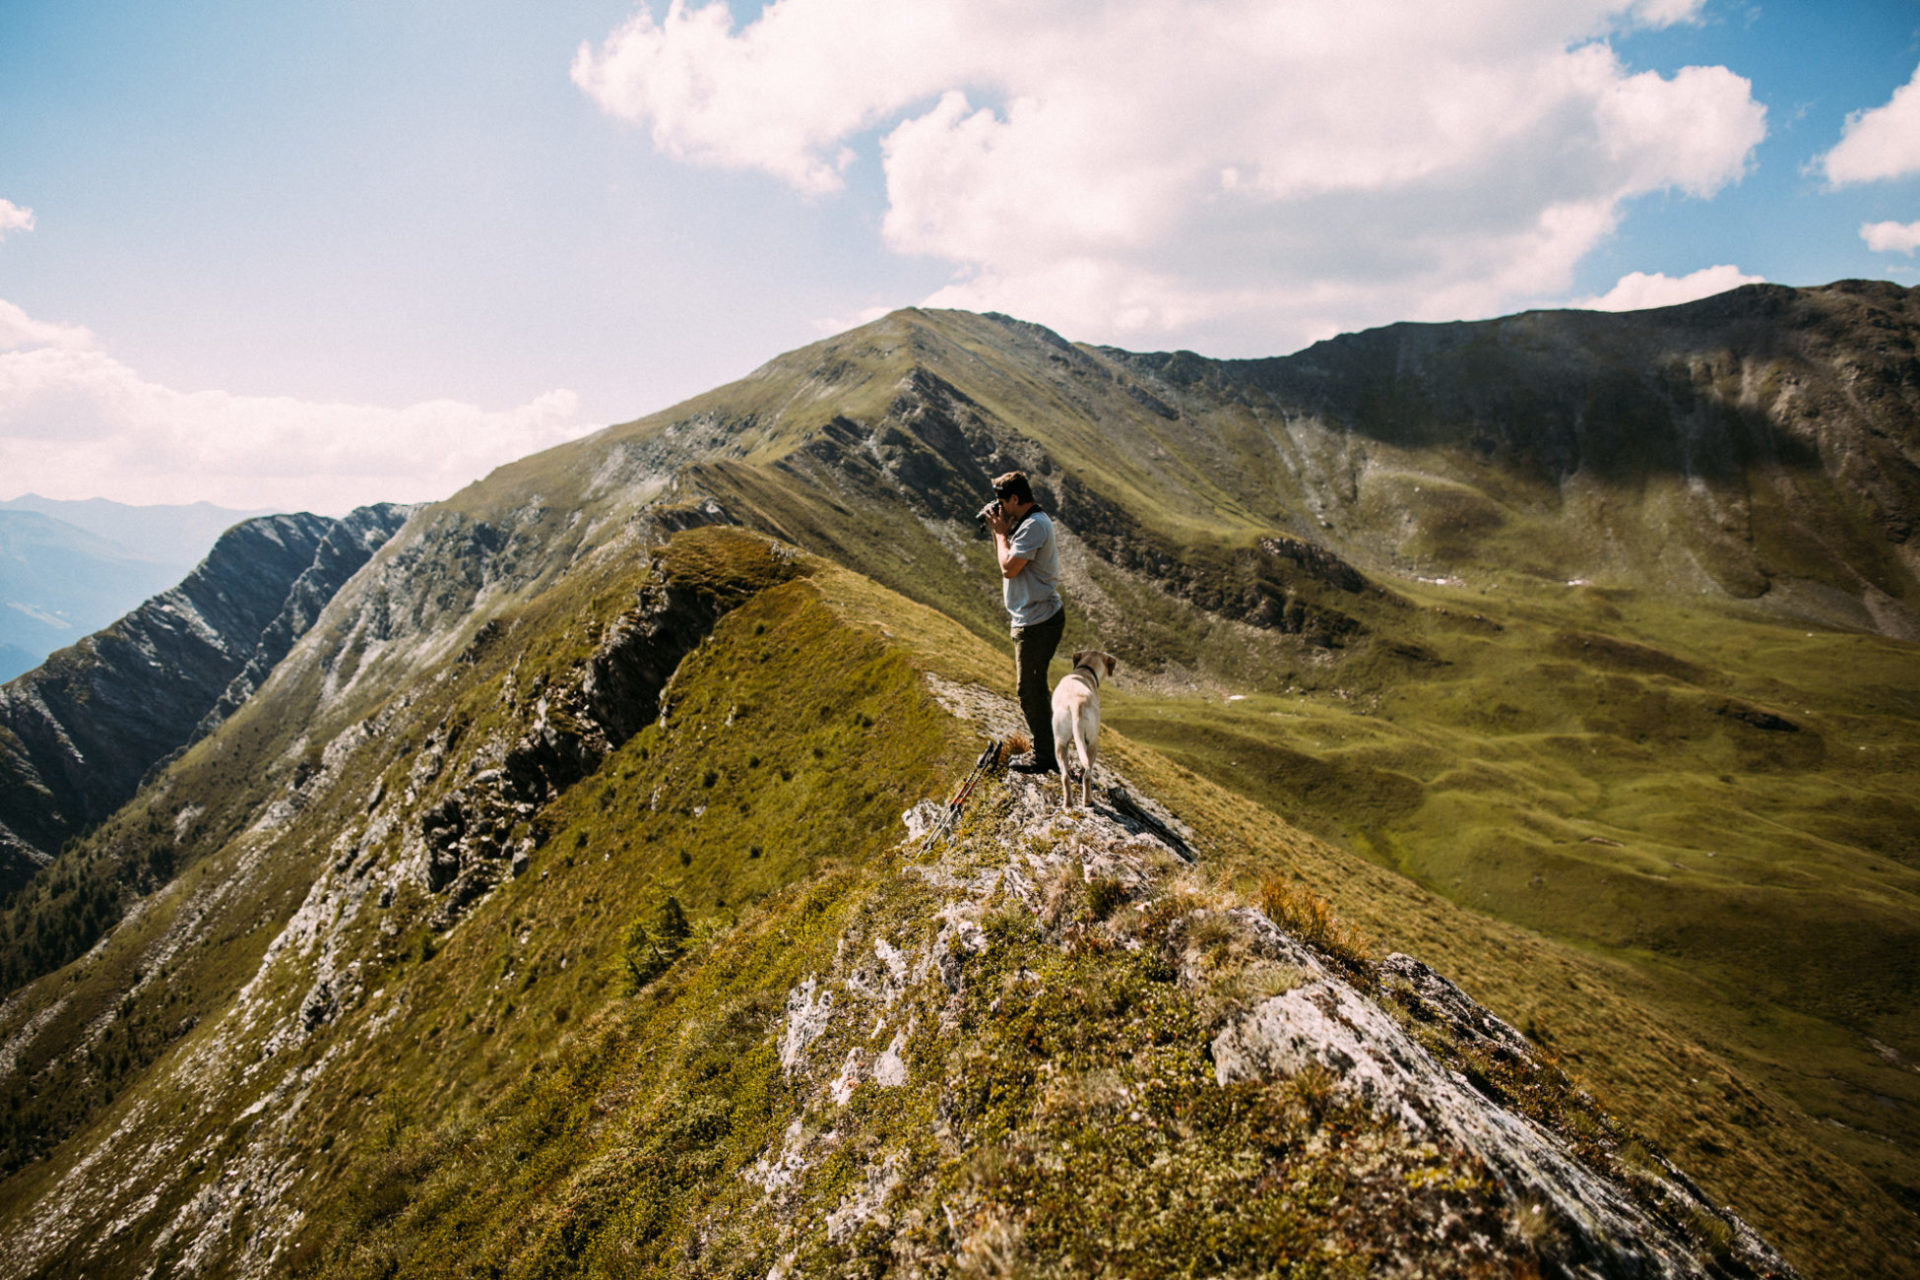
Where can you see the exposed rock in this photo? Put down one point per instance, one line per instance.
(1564, 1214)
(1603, 1228)
(346, 546)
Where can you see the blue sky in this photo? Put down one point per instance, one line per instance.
(274, 254)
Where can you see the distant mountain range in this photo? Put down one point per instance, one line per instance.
(69, 568)
(570, 888)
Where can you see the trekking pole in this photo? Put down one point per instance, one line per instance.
(981, 767)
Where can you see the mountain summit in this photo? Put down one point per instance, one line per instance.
(563, 901)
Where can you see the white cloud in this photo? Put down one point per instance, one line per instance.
(1881, 143)
(19, 330)
(1637, 291)
(77, 423)
(14, 218)
(1891, 237)
(1267, 169)
(1665, 13)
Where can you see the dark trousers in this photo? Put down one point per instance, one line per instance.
(1033, 649)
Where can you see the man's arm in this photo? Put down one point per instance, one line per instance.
(1010, 564)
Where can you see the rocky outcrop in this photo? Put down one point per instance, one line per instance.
(79, 733)
(1384, 1039)
(1647, 1221)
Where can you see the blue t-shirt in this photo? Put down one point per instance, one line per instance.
(1033, 595)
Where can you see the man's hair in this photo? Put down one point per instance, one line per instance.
(1013, 485)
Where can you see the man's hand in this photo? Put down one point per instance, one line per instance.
(998, 523)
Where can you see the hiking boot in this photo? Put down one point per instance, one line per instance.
(1031, 765)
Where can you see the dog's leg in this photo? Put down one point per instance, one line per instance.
(1080, 749)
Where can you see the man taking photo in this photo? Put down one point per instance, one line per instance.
(1029, 558)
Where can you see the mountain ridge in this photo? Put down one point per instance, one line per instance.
(98, 560)
(80, 733)
(381, 813)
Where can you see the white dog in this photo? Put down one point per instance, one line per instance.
(1076, 719)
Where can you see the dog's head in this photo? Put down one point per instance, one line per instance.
(1095, 661)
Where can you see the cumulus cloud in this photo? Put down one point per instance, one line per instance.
(1891, 237)
(77, 423)
(1256, 173)
(14, 218)
(1881, 143)
(1637, 291)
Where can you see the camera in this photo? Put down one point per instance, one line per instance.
(980, 516)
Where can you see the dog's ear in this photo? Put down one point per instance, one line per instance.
(1109, 661)
(1080, 657)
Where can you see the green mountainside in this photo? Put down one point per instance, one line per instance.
(1572, 655)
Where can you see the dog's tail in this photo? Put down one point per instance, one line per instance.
(1080, 749)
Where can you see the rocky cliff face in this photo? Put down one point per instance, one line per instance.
(78, 734)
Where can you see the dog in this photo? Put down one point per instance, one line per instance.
(1076, 719)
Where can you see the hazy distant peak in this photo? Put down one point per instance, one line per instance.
(176, 534)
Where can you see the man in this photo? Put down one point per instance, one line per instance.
(1030, 587)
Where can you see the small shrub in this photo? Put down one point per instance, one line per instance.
(1239, 990)
(1710, 1229)
(1213, 933)
(1104, 895)
(650, 946)
(1309, 917)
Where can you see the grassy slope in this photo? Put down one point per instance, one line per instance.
(1712, 1061)
(608, 855)
(499, 1100)
(703, 808)
(1574, 760)
(1573, 787)
(1611, 1026)
(1758, 885)
(604, 1148)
